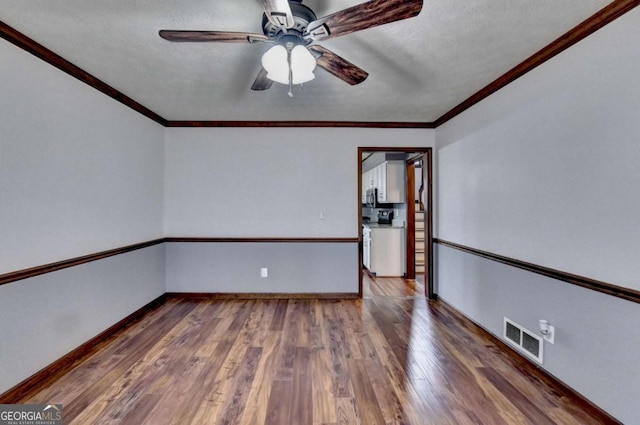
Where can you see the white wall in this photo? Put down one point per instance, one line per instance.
(79, 172)
(266, 182)
(547, 170)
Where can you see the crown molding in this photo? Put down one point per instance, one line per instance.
(600, 19)
(321, 124)
(38, 50)
(592, 24)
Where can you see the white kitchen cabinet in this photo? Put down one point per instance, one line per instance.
(381, 181)
(364, 186)
(389, 179)
(384, 250)
(391, 182)
(368, 182)
(373, 177)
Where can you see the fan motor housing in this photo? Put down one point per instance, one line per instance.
(302, 16)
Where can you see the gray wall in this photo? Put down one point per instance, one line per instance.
(597, 337)
(547, 171)
(235, 267)
(45, 317)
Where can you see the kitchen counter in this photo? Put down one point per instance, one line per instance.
(384, 249)
(373, 225)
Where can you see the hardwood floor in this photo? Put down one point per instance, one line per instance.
(392, 287)
(386, 359)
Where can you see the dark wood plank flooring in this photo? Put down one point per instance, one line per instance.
(392, 287)
(391, 358)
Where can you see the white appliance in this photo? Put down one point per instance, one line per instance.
(366, 247)
(383, 250)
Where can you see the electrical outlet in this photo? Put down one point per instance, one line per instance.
(547, 331)
(551, 334)
(264, 272)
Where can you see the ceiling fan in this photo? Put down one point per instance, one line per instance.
(292, 28)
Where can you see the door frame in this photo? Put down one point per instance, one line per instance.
(410, 195)
(427, 170)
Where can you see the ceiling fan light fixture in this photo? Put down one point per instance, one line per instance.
(274, 61)
(302, 64)
(293, 28)
(277, 62)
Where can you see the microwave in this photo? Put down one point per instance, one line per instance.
(372, 197)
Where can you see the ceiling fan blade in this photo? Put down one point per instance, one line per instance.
(278, 12)
(221, 36)
(262, 82)
(363, 16)
(338, 66)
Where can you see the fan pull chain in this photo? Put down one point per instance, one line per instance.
(289, 47)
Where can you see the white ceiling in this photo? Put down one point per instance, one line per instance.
(418, 68)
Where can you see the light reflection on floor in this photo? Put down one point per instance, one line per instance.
(424, 378)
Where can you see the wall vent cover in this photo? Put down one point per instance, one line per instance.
(523, 340)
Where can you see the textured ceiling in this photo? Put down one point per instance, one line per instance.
(419, 68)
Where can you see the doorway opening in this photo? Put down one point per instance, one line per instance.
(395, 220)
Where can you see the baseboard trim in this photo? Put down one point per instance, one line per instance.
(50, 373)
(526, 366)
(263, 296)
(53, 371)
(585, 282)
